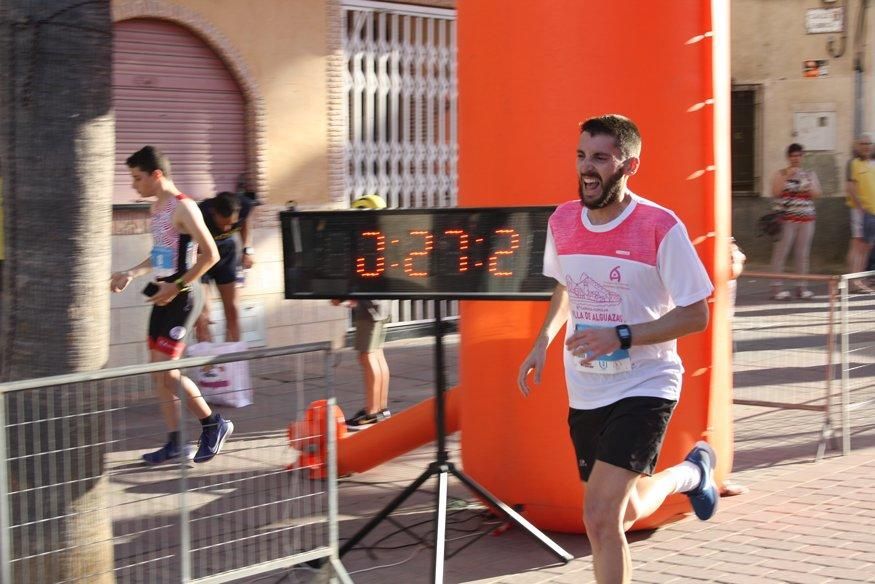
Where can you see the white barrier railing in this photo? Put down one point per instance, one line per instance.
(77, 504)
(813, 354)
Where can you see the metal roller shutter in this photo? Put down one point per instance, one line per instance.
(402, 94)
(172, 91)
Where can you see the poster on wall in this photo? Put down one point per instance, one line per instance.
(815, 68)
(824, 20)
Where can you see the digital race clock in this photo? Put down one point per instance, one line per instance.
(437, 253)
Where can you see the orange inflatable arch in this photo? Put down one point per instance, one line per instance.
(528, 73)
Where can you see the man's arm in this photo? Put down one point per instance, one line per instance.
(192, 221)
(189, 219)
(247, 259)
(557, 315)
(851, 189)
(592, 343)
(120, 280)
(851, 185)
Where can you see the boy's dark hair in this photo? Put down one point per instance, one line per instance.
(794, 148)
(226, 204)
(149, 159)
(622, 129)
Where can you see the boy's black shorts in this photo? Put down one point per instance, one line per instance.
(627, 434)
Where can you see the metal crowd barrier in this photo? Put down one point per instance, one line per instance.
(785, 351)
(857, 353)
(813, 354)
(77, 504)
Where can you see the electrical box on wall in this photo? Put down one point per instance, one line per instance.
(815, 130)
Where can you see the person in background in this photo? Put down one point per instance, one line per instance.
(860, 190)
(370, 318)
(870, 263)
(225, 215)
(794, 190)
(736, 267)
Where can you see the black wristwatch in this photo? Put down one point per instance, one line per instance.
(624, 333)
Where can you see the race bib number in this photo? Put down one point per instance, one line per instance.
(162, 261)
(617, 362)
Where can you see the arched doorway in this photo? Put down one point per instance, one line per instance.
(171, 90)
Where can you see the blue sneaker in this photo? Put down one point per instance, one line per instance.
(213, 438)
(167, 453)
(705, 496)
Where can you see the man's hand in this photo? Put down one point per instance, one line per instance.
(119, 281)
(534, 361)
(167, 291)
(248, 261)
(590, 344)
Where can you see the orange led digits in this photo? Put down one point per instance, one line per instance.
(379, 260)
(436, 253)
(513, 245)
(463, 247)
(427, 246)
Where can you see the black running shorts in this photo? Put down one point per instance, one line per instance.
(224, 271)
(170, 324)
(627, 434)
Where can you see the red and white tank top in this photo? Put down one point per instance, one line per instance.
(172, 252)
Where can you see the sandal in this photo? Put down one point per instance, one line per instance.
(782, 295)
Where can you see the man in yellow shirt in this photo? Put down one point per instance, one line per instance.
(860, 191)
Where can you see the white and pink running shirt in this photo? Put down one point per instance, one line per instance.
(632, 270)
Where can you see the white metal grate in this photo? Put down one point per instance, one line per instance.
(401, 92)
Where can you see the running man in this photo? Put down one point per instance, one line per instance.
(629, 283)
(179, 236)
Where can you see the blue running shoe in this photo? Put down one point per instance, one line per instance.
(705, 496)
(213, 438)
(167, 453)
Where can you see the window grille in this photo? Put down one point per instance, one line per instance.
(401, 103)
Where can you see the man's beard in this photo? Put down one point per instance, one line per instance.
(610, 191)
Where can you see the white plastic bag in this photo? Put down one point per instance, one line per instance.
(226, 384)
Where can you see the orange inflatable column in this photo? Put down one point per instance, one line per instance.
(528, 73)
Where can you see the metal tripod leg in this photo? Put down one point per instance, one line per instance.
(387, 510)
(515, 517)
(442, 468)
(440, 526)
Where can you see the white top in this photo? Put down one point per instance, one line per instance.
(634, 269)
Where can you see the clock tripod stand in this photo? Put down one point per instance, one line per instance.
(441, 468)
